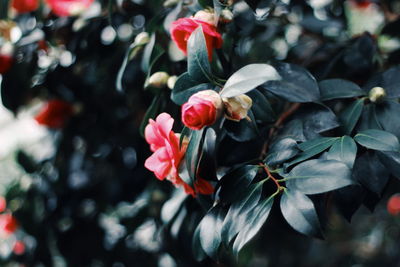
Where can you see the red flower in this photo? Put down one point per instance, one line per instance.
(24, 6)
(8, 224)
(181, 30)
(167, 156)
(393, 205)
(3, 204)
(54, 114)
(202, 109)
(5, 63)
(65, 8)
(19, 247)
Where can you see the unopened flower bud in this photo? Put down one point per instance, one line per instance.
(226, 16)
(393, 205)
(237, 107)
(171, 81)
(202, 109)
(206, 16)
(142, 38)
(158, 79)
(377, 94)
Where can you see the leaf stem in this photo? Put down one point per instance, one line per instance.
(270, 176)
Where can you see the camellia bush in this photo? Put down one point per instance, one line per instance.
(199, 133)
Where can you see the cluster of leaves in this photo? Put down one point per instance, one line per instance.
(315, 135)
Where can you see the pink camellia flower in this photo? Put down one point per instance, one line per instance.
(202, 109)
(167, 155)
(8, 224)
(393, 205)
(64, 8)
(182, 28)
(55, 114)
(25, 6)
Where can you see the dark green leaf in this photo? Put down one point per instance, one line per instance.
(350, 115)
(210, 231)
(318, 176)
(370, 172)
(338, 88)
(312, 148)
(207, 164)
(369, 119)
(248, 78)
(391, 160)
(378, 140)
(296, 85)
(344, 150)
(253, 223)
(389, 122)
(299, 211)
(147, 54)
(281, 151)
(192, 154)
(234, 183)
(235, 219)
(349, 199)
(185, 87)
(198, 65)
(261, 107)
(317, 118)
(198, 251)
(241, 131)
(388, 80)
(151, 112)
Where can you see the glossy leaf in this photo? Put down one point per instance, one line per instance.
(237, 214)
(185, 87)
(384, 114)
(391, 160)
(299, 211)
(151, 112)
(192, 155)
(248, 78)
(318, 176)
(199, 67)
(344, 150)
(349, 117)
(261, 108)
(296, 85)
(378, 140)
(234, 183)
(282, 151)
(389, 80)
(338, 88)
(253, 223)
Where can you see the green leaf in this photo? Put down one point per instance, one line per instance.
(338, 88)
(198, 65)
(282, 150)
(389, 80)
(378, 140)
(185, 87)
(391, 160)
(248, 78)
(296, 85)
(4, 7)
(147, 54)
(318, 176)
(344, 150)
(312, 148)
(262, 109)
(210, 231)
(253, 223)
(235, 219)
(198, 251)
(192, 154)
(384, 114)
(299, 211)
(151, 112)
(350, 115)
(234, 183)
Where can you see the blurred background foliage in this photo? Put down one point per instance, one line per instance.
(81, 195)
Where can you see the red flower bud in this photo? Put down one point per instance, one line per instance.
(8, 224)
(3, 204)
(55, 114)
(19, 247)
(65, 8)
(6, 62)
(202, 109)
(393, 205)
(24, 6)
(181, 30)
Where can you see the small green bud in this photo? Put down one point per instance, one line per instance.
(377, 94)
(158, 79)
